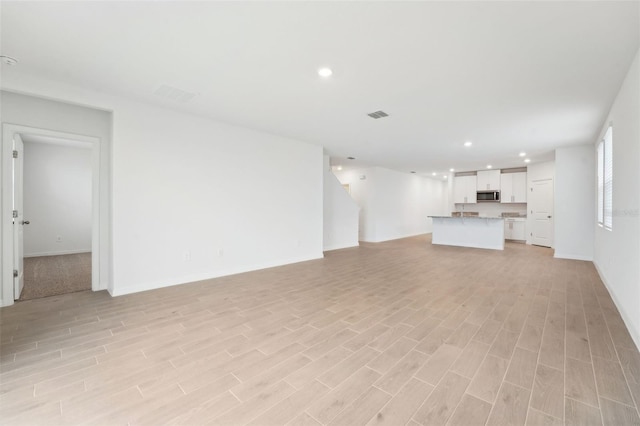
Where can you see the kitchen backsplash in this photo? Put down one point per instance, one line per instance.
(493, 209)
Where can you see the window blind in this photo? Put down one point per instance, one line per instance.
(600, 205)
(608, 179)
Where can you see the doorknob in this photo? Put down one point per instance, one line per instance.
(548, 217)
(25, 222)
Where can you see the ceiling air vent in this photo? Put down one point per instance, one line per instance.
(378, 114)
(173, 94)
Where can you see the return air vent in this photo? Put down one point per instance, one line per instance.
(173, 93)
(378, 114)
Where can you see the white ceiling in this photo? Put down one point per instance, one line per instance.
(509, 76)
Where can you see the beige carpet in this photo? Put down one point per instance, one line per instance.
(53, 275)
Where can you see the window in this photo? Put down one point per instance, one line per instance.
(600, 183)
(605, 180)
(608, 179)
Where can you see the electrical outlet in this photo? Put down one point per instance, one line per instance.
(187, 256)
(220, 252)
(58, 239)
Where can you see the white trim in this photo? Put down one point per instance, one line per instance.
(572, 256)
(607, 197)
(397, 238)
(208, 275)
(340, 247)
(600, 183)
(58, 253)
(6, 224)
(635, 334)
(7, 221)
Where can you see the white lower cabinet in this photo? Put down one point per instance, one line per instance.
(515, 229)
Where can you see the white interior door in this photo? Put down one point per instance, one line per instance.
(541, 209)
(18, 220)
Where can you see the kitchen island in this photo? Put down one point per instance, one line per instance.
(469, 231)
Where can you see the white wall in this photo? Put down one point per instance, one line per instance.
(193, 198)
(362, 183)
(340, 213)
(540, 171)
(403, 203)
(57, 199)
(574, 196)
(617, 251)
(394, 204)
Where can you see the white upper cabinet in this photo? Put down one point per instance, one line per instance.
(513, 187)
(506, 188)
(464, 189)
(520, 187)
(488, 180)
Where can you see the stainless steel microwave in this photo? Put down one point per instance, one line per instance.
(488, 196)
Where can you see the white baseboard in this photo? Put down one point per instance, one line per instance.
(207, 275)
(572, 256)
(635, 334)
(339, 247)
(397, 238)
(57, 253)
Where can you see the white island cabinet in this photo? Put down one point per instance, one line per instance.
(474, 231)
(514, 229)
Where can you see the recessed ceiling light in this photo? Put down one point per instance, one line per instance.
(522, 154)
(526, 160)
(452, 170)
(351, 158)
(433, 174)
(325, 72)
(8, 60)
(444, 176)
(468, 144)
(489, 166)
(339, 168)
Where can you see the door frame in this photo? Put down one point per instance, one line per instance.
(8, 132)
(18, 231)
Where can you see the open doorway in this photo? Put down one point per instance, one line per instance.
(51, 209)
(56, 197)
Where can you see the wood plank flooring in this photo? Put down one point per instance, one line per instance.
(394, 333)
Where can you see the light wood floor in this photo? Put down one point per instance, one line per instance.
(386, 334)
